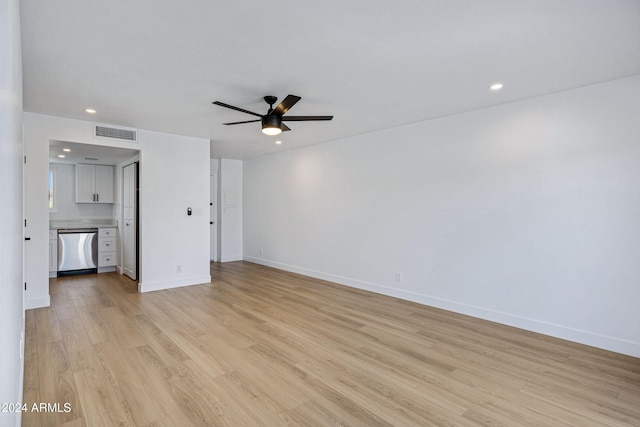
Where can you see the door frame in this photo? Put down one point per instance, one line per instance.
(121, 243)
(214, 252)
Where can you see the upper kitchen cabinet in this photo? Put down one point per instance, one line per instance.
(94, 183)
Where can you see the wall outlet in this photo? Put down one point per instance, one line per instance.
(178, 269)
(261, 251)
(398, 277)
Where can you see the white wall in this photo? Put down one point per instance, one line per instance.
(526, 214)
(11, 229)
(174, 174)
(230, 210)
(65, 198)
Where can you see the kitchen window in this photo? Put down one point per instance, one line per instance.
(52, 189)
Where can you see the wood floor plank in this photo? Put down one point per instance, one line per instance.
(312, 413)
(128, 385)
(250, 398)
(156, 376)
(202, 354)
(384, 397)
(260, 346)
(95, 325)
(67, 393)
(270, 382)
(99, 403)
(160, 342)
(210, 407)
(79, 349)
(46, 325)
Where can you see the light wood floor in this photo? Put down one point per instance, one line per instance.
(265, 347)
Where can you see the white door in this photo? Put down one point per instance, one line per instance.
(129, 217)
(213, 215)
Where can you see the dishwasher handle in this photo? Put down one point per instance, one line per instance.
(77, 230)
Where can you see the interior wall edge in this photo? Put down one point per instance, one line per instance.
(12, 242)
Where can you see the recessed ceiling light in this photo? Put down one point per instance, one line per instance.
(496, 86)
(90, 111)
(62, 156)
(66, 150)
(278, 142)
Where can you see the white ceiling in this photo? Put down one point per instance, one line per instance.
(85, 153)
(373, 64)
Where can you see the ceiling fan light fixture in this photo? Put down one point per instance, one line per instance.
(271, 125)
(271, 131)
(272, 122)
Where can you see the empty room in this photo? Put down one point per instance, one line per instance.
(353, 213)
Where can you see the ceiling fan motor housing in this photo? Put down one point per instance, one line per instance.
(271, 121)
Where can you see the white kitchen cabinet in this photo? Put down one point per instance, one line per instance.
(106, 244)
(53, 253)
(107, 232)
(107, 251)
(94, 183)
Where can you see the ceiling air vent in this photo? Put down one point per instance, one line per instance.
(102, 131)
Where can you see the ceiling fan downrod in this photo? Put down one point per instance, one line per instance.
(269, 99)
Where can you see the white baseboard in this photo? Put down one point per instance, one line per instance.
(170, 284)
(31, 303)
(231, 258)
(576, 335)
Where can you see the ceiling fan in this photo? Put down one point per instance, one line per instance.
(272, 121)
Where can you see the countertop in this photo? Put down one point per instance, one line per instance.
(82, 223)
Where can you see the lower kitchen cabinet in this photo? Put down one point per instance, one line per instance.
(53, 253)
(107, 249)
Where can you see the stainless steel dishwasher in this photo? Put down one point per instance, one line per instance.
(77, 251)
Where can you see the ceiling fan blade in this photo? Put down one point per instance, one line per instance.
(284, 127)
(286, 104)
(239, 123)
(305, 118)
(222, 104)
